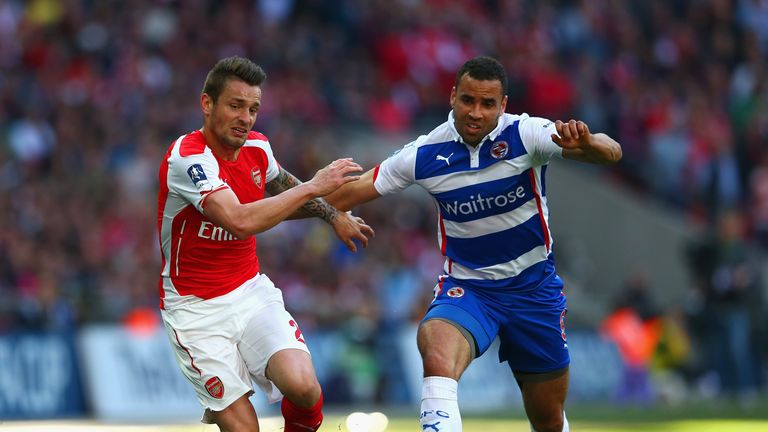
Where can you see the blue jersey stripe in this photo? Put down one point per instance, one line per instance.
(485, 199)
(496, 248)
(535, 275)
(510, 137)
(443, 158)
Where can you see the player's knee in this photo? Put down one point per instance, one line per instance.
(434, 363)
(304, 394)
(439, 364)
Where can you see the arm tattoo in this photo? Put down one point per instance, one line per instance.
(282, 182)
(316, 207)
(319, 208)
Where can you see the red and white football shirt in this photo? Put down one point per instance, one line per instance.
(202, 260)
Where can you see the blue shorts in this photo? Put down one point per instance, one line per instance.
(530, 324)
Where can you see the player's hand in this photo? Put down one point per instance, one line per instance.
(334, 175)
(572, 135)
(350, 228)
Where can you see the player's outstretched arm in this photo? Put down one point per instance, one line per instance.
(354, 193)
(242, 220)
(579, 144)
(316, 207)
(347, 227)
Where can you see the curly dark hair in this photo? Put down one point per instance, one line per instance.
(484, 68)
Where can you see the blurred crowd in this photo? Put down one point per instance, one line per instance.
(93, 92)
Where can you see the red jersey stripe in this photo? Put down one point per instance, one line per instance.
(536, 194)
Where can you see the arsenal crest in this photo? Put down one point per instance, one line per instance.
(215, 387)
(256, 174)
(500, 150)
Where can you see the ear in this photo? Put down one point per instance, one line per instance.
(206, 103)
(503, 106)
(453, 95)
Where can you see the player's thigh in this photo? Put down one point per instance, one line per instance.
(532, 337)
(457, 327)
(445, 349)
(270, 330)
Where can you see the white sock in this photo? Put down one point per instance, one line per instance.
(566, 428)
(440, 405)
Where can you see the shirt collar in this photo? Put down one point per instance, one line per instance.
(491, 135)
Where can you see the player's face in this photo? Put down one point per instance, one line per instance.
(477, 105)
(232, 116)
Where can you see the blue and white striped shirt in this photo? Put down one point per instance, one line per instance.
(493, 221)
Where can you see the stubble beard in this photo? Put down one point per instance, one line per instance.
(232, 142)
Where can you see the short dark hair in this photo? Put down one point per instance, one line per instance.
(484, 68)
(232, 68)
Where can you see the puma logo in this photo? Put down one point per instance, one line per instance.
(432, 426)
(444, 158)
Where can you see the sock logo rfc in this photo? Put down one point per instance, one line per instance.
(432, 426)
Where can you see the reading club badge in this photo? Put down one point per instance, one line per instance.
(500, 150)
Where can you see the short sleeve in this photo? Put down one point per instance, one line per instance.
(273, 168)
(397, 172)
(194, 177)
(536, 134)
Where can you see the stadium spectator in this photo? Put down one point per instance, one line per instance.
(728, 279)
(485, 170)
(634, 326)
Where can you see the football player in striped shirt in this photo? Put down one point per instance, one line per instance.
(486, 169)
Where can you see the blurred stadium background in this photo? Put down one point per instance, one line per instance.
(663, 254)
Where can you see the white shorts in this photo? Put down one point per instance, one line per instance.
(224, 343)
